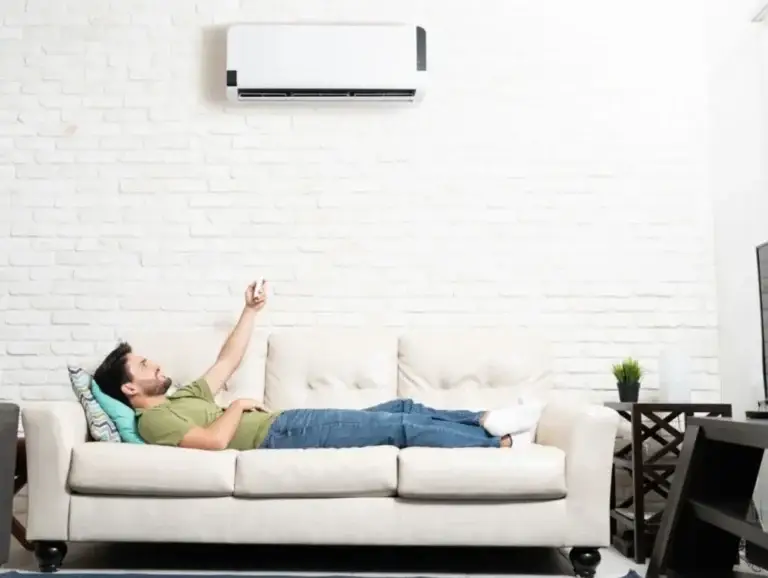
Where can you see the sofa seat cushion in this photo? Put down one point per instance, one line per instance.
(315, 473)
(149, 470)
(531, 472)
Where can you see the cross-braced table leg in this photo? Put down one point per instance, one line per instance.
(658, 423)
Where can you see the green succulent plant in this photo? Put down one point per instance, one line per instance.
(628, 371)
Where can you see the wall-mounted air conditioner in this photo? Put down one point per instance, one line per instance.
(326, 62)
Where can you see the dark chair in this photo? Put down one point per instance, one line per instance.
(9, 426)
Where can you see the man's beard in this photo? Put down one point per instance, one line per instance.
(163, 387)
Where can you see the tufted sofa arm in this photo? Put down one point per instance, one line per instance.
(51, 430)
(586, 433)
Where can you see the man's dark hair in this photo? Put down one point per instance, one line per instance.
(113, 373)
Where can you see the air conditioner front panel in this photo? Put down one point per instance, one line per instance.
(334, 57)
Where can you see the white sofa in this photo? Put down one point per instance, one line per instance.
(554, 493)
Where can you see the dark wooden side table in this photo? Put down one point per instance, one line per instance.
(634, 523)
(707, 513)
(752, 552)
(9, 426)
(20, 480)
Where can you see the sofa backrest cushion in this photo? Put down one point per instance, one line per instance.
(186, 354)
(349, 368)
(473, 368)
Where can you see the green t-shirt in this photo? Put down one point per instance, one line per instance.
(193, 406)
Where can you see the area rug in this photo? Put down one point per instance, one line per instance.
(164, 574)
(181, 574)
(112, 574)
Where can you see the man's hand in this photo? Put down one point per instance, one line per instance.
(219, 434)
(234, 347)
(249, 405)
(253, 300)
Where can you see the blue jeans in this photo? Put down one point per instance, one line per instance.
(402, 423)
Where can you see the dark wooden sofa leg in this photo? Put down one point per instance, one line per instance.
(50, 555)
(585, 561)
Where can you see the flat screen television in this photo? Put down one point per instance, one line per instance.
(755, 554)
(762, 275)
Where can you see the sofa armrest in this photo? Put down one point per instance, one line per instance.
(51, 431)
(586, 433)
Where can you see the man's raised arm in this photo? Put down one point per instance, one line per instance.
(234, 347)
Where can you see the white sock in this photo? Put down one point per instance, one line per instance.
(522, 439)
(512, 420)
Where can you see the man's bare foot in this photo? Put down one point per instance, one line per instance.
(506, 441)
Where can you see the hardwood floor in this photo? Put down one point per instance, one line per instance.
(457, 563)
(450, 563)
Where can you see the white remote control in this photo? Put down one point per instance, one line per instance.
(259, 286)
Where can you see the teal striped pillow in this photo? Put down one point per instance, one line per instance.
(102, 428)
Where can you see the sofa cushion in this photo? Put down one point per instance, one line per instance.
(147, 470)
(100, 425)
(348, 368)
(473, 368)
(310, 473)
(124, 416)
(185, 354)
(532, 472)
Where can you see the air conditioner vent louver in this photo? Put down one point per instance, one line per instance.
(343, 93)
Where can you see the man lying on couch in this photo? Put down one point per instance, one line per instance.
(190, 418)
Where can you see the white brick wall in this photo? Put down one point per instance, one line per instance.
(555, 177)
(739, 180)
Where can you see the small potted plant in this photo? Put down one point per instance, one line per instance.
(628, 374)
